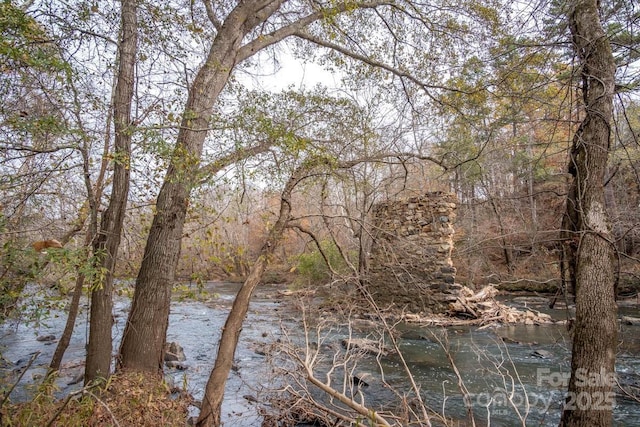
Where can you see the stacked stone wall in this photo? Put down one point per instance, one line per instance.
(410, 264)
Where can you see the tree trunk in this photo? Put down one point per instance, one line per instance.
(591, 395)
(214, 393)
(145, 333)
(89, 209)
(531, 188)
(65, 339)
(506, 248)
(569, 237)
(105, 246)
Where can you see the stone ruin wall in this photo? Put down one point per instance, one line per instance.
(410, 259)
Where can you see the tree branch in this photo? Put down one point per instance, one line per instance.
(212, 15)
(240, 154)
(266, 40)
(362, 410)
(374, 63)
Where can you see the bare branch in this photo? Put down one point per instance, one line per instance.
(374, 63)
(363, 410)
(241, 154)
(212, 15)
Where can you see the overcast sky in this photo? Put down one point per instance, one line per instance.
(287, 71)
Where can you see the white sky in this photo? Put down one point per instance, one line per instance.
(287, 71)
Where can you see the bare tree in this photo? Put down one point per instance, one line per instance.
(211, 404)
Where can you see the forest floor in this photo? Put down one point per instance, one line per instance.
(126, 399)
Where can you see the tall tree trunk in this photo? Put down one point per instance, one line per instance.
(89, 209)
(65, 338)
(74, 305)
(145, 333)
(590, 397)
(105, 246)
(530, 188)
(214, 393)
(506, 248)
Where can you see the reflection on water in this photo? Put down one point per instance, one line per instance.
(511, 372)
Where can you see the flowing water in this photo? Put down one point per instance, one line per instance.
(513, 375)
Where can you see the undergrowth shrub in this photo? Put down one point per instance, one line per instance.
(312, 269)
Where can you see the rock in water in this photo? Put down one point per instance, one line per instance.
(174, 352)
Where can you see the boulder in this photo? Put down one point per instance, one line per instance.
(362, 379)
(176, 365)
(365, 345)
(542, 354)
(628, 320)
(173, 352)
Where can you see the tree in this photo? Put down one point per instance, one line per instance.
(214, 392)
(34, 148)
(591, 395)
(107, 241)
(145, 333)
(313, 135)
(248, 28)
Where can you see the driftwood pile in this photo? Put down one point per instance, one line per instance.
(481, 308)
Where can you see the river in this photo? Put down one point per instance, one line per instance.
(511, 373)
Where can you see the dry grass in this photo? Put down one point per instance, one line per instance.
(127, 399)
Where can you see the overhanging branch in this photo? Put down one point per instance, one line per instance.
(266, 40)
(427, 87)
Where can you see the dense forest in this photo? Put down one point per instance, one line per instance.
(145, 145)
